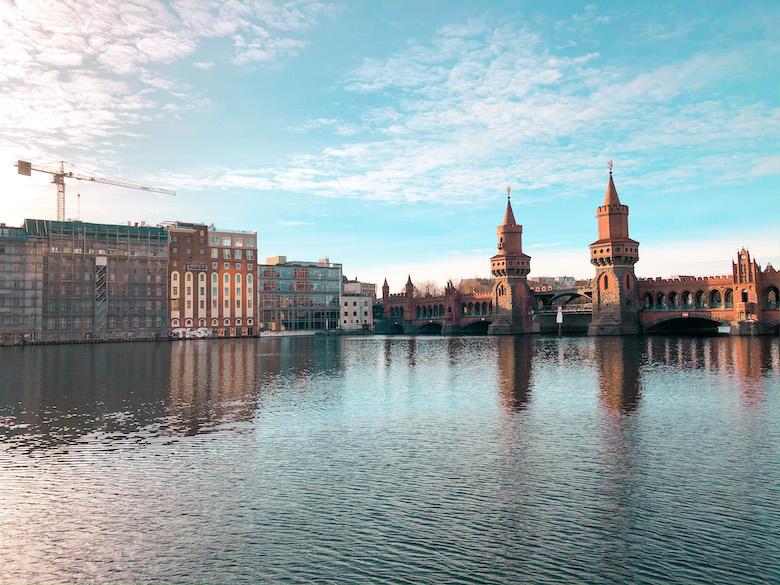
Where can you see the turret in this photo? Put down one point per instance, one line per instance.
(614, 253)
(510, 267)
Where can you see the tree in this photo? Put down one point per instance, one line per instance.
(428, 288)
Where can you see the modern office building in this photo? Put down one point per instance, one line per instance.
(357, 312)
(298, 296)
(21, 286)
(212, 284)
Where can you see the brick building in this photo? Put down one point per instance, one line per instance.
(212, 284)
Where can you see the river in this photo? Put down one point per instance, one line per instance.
(392, 460)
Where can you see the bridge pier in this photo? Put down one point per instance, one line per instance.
(749, 328)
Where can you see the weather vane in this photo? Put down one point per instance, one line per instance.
(508, 189)
(609, 165)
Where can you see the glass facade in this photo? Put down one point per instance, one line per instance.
(299, 296)
(103, 281)
(21, 286)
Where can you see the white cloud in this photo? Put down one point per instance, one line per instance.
(481, 105)
(73, 71)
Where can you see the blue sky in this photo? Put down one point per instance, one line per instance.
(382, 134)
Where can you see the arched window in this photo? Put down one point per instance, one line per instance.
(214, 277)
(660, 300)
(250, 321)
(744, 295)
(700, 299)
(238, 279)
(227, 322)
(648, 301)
(673, 299)
(175, 276)
(214, 322)
(238, 320)
(605, 282)
(174, 322)
(249, 279)
(202, 277)
(188, 322)
(189, 277)
(728, 298)
(201, 322)
(226, 278)
(772, 298)
(715, 300)
(687, 299)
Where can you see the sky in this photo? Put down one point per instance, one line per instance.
(382, 134)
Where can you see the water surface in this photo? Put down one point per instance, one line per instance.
(392, 460)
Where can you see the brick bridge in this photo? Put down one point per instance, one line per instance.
(614, 302)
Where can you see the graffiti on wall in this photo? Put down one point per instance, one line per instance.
(190, 333)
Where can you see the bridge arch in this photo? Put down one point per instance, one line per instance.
(570, 298)
(476, 328)
(680, 324)
(430, 328)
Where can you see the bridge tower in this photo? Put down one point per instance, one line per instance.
(510, 268)
(615, 291)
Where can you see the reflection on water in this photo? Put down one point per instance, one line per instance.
(534, 459)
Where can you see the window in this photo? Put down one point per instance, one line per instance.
(249, 279)
(237, 254)
(225, 241)
(238, 242)
(238, 279)
(227, 304)
(238, 303)
(176, 291)
(214, 265)
(203, 291)
(189, 291)
(215, 252)
(226, 266)
(225, 253)
(189, 304)
(214, 277)
(605, 284)
(250, 255)
(238, 265)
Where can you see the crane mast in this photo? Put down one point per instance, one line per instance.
(58, 178)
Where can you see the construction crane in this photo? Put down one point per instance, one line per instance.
(58, 178)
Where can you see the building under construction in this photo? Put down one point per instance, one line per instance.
(75, 281)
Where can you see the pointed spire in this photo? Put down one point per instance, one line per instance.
(509, 216)
(611, 196)
(409, 281)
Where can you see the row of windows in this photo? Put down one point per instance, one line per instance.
(214, 277)
(214, 322)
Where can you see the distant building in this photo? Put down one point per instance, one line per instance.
(212, 284)
(100, 281)
(359, 288)
(357, 312)
(21, 286)
(298, 296)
